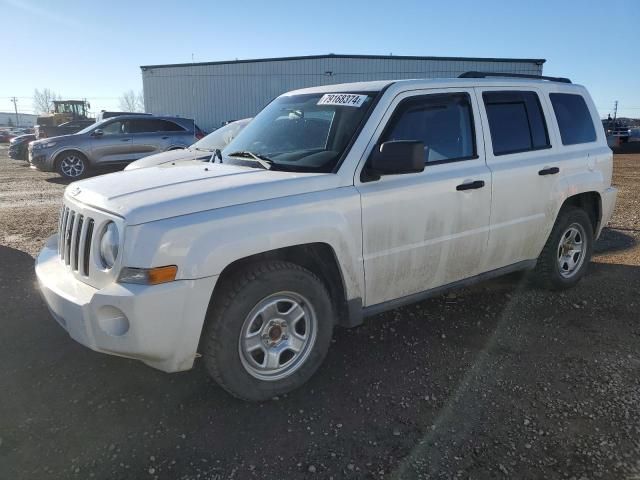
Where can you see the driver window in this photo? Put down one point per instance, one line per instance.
(114, 128)
(442, 122)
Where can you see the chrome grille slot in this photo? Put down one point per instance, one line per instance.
(86, 250)
(61, 232)
(74, 240)
(67, 236)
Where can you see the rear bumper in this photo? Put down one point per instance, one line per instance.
(608, 198)
(159, 325)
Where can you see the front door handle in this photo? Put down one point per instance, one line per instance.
(471, 185)
(549, 171)
(125, 139)
(165, 138)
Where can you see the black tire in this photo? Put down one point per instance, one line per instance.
(233, 306)
(71, 158)
(548, 272)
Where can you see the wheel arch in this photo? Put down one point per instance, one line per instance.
(320, 258)
(591, 203)
(58, 155)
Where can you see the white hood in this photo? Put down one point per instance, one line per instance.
(167, 157)
(165, 191)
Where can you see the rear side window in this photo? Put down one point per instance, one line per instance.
(152, 125)
(574, 119)
(442, 122)
(516, 122)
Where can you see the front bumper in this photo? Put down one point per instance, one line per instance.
(608, 198)
(159, 325)
(41, 159)
(19, 151)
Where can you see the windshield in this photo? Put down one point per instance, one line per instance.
(307, 132)
(221, 137)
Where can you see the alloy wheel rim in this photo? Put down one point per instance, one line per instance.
(277, 336)
(72, 166)
(571, 250)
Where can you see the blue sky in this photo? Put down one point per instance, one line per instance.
(94, 50)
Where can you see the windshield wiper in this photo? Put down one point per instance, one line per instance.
(264, 162)
(215, 153)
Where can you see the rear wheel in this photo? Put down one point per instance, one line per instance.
(268, 330)
(72, 165)
(566, 255)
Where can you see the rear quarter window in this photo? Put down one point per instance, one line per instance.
(574, 119)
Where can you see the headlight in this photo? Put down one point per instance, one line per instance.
(38, 146)
(109, 245)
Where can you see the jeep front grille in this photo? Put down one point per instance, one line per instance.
(75, 236)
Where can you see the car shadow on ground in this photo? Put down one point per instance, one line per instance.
(403, 380)
(632, 147)
(614, 240)
(58, 180)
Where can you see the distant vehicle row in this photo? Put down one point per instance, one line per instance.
(8, 133)
(124, 139)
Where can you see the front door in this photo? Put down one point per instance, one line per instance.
(114, 145)
(427, 229)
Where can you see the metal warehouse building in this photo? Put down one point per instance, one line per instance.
(214, 92)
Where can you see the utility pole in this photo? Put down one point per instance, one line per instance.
(15, 106)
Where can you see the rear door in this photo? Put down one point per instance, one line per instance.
(526, 171)
(114, 145)
(427, 229)
(153, 135)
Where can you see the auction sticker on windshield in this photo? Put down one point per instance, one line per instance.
(344, 99)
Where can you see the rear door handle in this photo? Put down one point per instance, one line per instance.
(165, 138)
(470, 185)
(125, 140)
(549, 171)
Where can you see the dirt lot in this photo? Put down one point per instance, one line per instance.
(497, 381)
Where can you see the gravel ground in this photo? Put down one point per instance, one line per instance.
(496, 381)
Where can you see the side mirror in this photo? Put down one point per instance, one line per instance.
(398, 157)
(97, 132)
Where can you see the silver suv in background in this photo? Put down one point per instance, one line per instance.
(203, 150)
(117, 140)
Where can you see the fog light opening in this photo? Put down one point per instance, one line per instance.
(112, 321)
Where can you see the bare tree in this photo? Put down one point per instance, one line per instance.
(132, 102)
(140, 99)
(42, 100)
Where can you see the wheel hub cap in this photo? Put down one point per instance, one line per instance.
(571, 250)
(277, 336)
(275, 333)
(72, 166)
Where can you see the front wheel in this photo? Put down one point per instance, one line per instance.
(566, 255)
(268, 330)
(72, 165)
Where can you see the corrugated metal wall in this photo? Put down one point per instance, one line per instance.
(215, 93)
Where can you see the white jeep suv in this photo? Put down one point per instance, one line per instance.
(335, 203)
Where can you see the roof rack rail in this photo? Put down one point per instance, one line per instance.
(515, 75)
